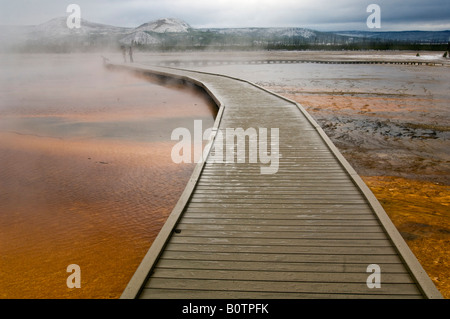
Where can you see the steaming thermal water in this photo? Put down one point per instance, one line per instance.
(86, 175)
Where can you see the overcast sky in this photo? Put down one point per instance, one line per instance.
(323, 15)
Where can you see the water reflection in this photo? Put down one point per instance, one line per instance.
(85, 172)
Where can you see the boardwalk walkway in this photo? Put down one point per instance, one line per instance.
(308, 231)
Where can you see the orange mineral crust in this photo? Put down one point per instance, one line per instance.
(92, 203)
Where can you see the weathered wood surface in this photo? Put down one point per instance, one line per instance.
(308, 231)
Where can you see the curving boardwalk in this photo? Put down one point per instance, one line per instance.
(309, 231)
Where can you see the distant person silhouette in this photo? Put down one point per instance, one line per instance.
(131, 54)
(124, 53)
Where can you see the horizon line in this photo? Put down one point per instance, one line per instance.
(247, 27)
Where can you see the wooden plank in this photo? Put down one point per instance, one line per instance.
(280, 276)
(287, 229)
(275, 177)
(297, 183)
(199, 196)
(275, 286)
(287, 198)
(271, 189)
(277, 234)
(306, 209)
(271, 201)
(294, 242)
(271, 206)
(233, 196)
(281, 167)
(279, 222)
(275, 193)
(281, 249)
(162, 293)
(270, 258)
(318, 207)
(280, 177)
(259, 193)
(278, 216)
(248, 200)
(240, 172)
(274, 187)
(256, 265)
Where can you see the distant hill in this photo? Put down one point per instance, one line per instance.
(152, 33)
(402, 36)
(176, 34)
(165, 25)
(266, 32)
(55, 36)
(57, 28)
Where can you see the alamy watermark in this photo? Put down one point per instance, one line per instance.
(374, 19)
(74, 280)
(74, 19)
(232, 145)
(374, 279)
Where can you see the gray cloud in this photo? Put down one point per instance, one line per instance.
(316, 14)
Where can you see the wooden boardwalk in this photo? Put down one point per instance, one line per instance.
(308, 231)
